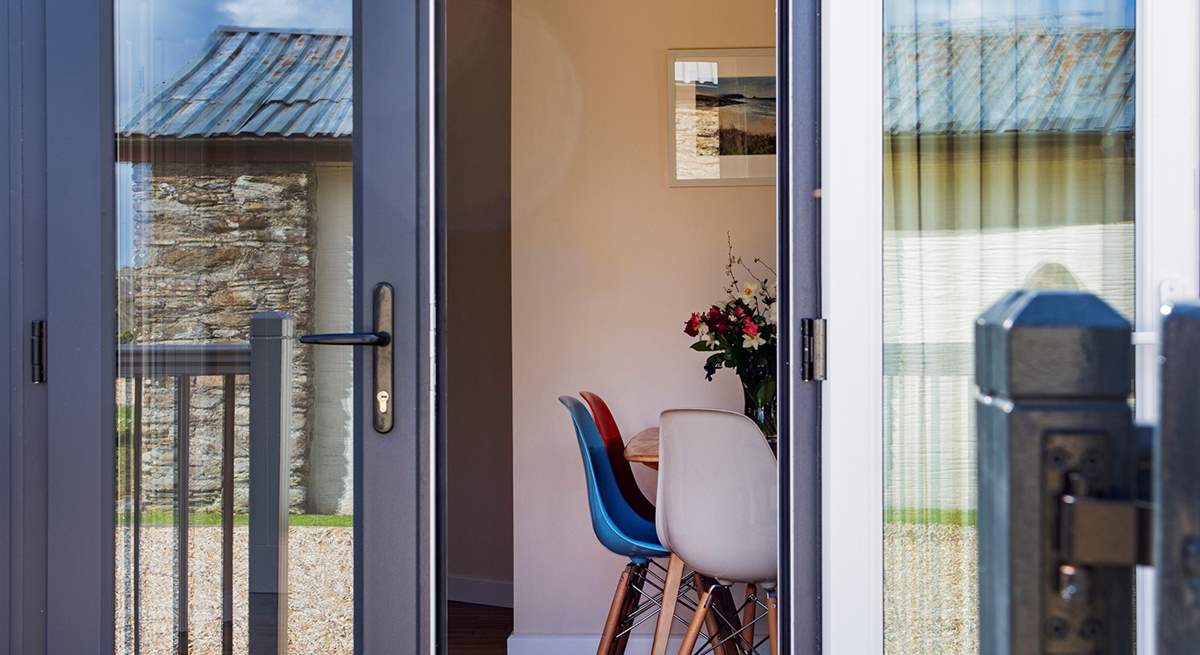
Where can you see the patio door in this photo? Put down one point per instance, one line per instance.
(971, 148)
(238, 341)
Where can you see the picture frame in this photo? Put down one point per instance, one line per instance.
(721, 117)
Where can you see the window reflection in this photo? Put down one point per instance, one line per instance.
(1008, 162)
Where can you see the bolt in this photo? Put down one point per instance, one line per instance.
(1056, 628)
(1091, 629)
(1092, 464)
(1072, 584)
(1058, 458)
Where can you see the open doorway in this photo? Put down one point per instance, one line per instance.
(607, 167)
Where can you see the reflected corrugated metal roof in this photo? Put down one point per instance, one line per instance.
(1008, 81)
(251, 82)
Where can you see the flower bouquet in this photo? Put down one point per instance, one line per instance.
(741, 335)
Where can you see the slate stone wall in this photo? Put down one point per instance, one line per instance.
(214, 243)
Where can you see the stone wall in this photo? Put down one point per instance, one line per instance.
(212, 244)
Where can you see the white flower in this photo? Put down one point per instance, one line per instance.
(710, 339)
(702, 330)
(748, 291)
(752, 342)
(773, 312)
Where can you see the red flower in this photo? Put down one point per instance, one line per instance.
(692, 327)
(714, 313)
(737, 311)
(749, 327)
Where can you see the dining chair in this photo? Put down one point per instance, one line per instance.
(716, 510)
(621, 530)
(615, 445)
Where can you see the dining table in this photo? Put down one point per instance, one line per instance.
(643, 448)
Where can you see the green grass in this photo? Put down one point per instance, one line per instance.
(166, 517)
(931, 516)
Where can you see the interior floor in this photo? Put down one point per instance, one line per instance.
(478, 629)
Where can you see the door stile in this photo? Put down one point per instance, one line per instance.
(852, 301)
(394, 472)
(798, 42)
(81, 321)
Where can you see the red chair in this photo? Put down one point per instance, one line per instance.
(615, 446)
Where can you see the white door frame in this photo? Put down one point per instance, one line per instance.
(1168, 251)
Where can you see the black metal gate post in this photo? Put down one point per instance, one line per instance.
(271, 343)
(1177, 484)
(1056, 453)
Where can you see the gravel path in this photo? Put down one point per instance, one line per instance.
(930, 590)
(929, 585)
(320, 590)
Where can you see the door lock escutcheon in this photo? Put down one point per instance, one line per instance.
(381, 343)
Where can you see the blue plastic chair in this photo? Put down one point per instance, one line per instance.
(621, 529)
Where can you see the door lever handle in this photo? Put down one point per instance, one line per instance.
(381, 343)
(377, 339)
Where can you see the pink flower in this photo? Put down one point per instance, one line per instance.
(749, 327)
(692, 327)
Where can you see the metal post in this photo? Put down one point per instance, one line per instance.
(1056, 441)
(137, 515)
(227, 445)
(1177, 485)
(271, 342)
(183, 433)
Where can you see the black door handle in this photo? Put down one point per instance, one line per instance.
(381, 342)
(377, 339)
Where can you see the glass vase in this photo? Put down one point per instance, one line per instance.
(762, 412)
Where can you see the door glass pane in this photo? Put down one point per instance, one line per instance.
(234, 196)
(1008, 158)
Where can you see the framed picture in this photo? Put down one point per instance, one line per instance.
(721, 117)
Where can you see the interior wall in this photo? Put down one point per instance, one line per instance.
(479, 365)
(607, 264)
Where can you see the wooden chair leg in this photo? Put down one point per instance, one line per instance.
(608, 637)
(632, 600)
(666, 613)
(748, 613)
(711, 622)
(693, 630)
(773, 622)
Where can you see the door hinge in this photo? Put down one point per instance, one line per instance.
(37, 352)
(812, 349)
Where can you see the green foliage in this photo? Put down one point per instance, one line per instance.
(930, 516)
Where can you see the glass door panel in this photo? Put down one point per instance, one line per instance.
(1008, 161)
(234, 196)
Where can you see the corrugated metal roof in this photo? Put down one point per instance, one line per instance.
(256, 83)
(1006, 81)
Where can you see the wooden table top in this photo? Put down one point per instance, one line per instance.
(643, 448)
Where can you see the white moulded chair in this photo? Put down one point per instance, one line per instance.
(716, 511)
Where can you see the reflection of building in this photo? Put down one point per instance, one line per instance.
(1008, 160)
(241, 201)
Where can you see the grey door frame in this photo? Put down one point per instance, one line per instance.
(72, 611)
(23, 295)
(798, 47)
(394, 484)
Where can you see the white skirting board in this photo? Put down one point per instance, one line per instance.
(527, 644)
(497, 593)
